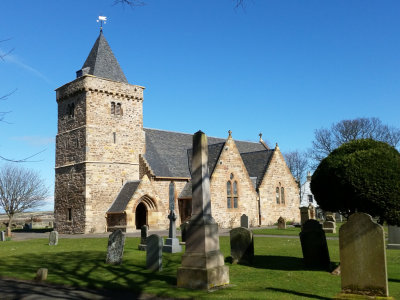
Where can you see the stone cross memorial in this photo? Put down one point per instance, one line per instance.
(244, 221)
(314, 246)
(53, 238)
(363, 257)
(242, 245)
(154, 253)
(394, 237)
(281, 223)
(172, 242)
(143, 237)
(115, 251)
(202, 263)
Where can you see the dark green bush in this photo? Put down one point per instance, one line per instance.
(363, 176)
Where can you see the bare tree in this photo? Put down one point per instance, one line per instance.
(326, 140)
(20, 190)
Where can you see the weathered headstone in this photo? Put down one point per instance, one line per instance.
(329, 227)
(41, 274)
(281, 223)
(115, 249)
(242, 245)
(2, 236)
(154, 253)
(394, 237)
(244, 221)
(304, 215)
(202, 263)
(143, 237)
(314, 246)
(329, 216)
(184, 227)
(363, 257)
(53, 238)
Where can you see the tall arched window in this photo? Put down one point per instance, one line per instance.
(283, 195)
(232, 195)
(278, 201)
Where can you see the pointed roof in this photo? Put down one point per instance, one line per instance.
(101, 62)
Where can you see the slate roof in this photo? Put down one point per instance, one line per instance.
(257, 163)
(101, 62)
(124, 196)
(167, 151)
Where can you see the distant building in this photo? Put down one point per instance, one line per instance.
(306, 196)
(113, 173)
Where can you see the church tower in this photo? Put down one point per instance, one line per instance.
(99, 140)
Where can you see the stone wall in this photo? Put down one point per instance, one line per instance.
(278, 175)
(230, 162)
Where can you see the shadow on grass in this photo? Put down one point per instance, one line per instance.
(308, 296)
(394, 280)
(272, 262)
(88, 269)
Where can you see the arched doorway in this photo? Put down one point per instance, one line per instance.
(141, 215)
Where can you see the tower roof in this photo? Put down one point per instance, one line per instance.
(101, 62)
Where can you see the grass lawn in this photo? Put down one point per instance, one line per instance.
(277, 272)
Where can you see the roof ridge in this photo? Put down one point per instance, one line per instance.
(266, 150)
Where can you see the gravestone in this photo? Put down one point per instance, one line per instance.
(244, 221)
(314, 246)
(154, 253)
(394, 237)
(281, 223)
(143, 237)
(53, 238)
(172, 243)
(2, 236)
(41, 274)
(329, 216)
(115, 249)
(184, 227)
(202, 263)
(329, 227)
(363, 257)
(242, 245)
(304, 215)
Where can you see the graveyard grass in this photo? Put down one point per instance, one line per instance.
(277, 272)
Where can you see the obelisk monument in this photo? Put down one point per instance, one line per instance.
(203, 263)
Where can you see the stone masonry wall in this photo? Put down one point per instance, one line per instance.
(278, 175)
(230, 162)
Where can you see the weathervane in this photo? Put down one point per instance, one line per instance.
(101, 19)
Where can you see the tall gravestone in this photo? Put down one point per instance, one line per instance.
(363, 257)
(242, 245)
(2, 236)
(172, 243)
(154, 253)
(143, 237)
(53, 238)
(244, 221)
(314, 246)
(394, 237)
(202, 263)
(115, 249)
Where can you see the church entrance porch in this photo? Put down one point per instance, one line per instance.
(140, 215)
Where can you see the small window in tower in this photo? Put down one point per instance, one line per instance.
(118, 110)
(115, 137)
(69, 214)
(113, 108)
(71, 110)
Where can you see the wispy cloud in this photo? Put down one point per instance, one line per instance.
(35, 140)
(11, 58)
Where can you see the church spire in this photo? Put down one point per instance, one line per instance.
(101, 62)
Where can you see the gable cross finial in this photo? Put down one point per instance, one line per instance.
(260, 134)
(101, 19)
(230, 133)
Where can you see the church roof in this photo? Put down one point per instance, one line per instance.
(257, 163)
(101, 62)
(167, 151)
(124, 196)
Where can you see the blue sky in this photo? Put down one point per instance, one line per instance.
(283, 68)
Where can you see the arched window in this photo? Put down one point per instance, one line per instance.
(232, 195)
(118, 111)
(71, 110)
(278, 200)
(113, 108)
(283, 195)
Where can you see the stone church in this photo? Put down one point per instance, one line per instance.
(113, 173)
